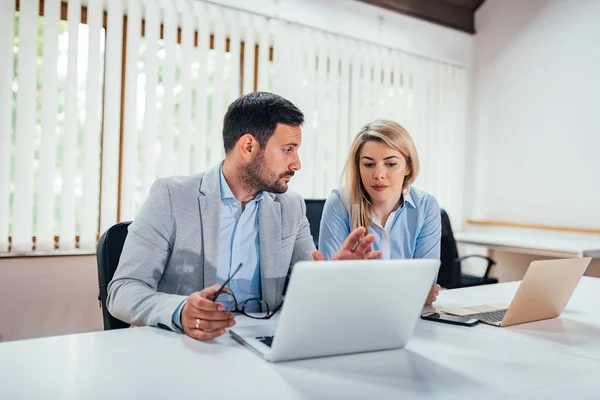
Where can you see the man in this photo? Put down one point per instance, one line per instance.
(192, 232)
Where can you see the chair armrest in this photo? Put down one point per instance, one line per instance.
(490, 261)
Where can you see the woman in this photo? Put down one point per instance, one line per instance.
(381, 167)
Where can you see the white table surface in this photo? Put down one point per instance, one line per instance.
(533, 241)
(577, 331)
(440, 361)
(580, 387)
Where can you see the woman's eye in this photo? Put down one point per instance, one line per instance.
(368, 165)
(391, 164)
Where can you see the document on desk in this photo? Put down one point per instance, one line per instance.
(476, 309)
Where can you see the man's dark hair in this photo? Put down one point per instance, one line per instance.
(258, 114)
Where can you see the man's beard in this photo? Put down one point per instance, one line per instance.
(256, 175)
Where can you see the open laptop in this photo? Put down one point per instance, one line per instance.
(341, 307)
(544, 293)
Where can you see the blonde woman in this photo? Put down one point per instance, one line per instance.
(381, 167)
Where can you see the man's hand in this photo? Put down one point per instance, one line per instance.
(355, 247)
(203, 319)
(433, 294)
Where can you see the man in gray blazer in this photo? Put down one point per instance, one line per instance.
(192, 232)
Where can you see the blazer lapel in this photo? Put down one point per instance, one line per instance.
(269, 232)
(209, 202)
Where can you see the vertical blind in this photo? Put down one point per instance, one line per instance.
(341, 84)
(111, 119)
(50, 123)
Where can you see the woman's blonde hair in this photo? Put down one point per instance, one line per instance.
(395, 136)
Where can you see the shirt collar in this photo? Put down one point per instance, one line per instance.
(226, 192)
(407, 198)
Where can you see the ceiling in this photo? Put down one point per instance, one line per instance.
(456, 14)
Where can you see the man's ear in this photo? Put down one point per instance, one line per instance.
(248, 146)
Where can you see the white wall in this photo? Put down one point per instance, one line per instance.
(536, 113)
(363, 21)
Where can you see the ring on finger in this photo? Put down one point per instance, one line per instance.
(197, 323)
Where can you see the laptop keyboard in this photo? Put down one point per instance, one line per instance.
(268, 340)
(490, 316)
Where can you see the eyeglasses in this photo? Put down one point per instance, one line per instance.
(253, 308)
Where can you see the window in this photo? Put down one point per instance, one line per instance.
(96, 103)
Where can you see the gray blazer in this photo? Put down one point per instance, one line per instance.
(172, 248)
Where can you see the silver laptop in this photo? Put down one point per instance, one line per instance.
(342, 307)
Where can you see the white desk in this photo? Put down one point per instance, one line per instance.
(533, 241)
(441, 361)
(514, 249)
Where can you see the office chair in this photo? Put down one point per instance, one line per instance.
(107, 256)
(314, 211)
(450, 275)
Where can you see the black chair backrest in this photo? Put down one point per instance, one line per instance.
(449, 274)
(108, 254)
(314, 211)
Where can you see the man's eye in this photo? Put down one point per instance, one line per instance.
(288, 150)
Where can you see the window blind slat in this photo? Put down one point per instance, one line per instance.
(112, 113)
(201, 136)
(377, 108)
(355, 89)
(345, 134)
(366, 98)
(264, 45)
(218, 90)
(249, 48)
(167, 127)
(307, 151)
(420, 128)
(130, 134)
(281, 39)
(7, 29)
(456, 140)
(70, 132)
(185, 130)
(386, 94)
(289, 60)
(47, 150)
(444, 124)
(323, 115)
(401, 92)
(462, 85)
(428, 111)
(234, 51)
(335, 150)
(409, 91)
(25, 127)
(151, 37)
(300, 97)
(91, 136)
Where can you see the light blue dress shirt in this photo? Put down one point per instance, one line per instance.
(414, 230)
(238, 243)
